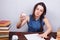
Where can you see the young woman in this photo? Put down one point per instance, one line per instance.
(37, 20)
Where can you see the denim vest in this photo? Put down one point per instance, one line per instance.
(34, 25)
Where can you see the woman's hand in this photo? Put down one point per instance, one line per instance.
(22, 20)
(22, 16)
(43, 35)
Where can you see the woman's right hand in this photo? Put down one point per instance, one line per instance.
(22, 16)
(23, 19)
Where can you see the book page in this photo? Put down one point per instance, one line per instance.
(52, 38)
(33, 37)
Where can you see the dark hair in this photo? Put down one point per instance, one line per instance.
(43, 14)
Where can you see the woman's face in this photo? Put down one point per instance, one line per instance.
(39, 10)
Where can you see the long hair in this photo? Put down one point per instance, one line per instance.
(42, 15)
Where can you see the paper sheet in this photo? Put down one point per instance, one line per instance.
(33, 37)
(52, 38)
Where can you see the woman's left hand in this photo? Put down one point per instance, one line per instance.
(43, 35)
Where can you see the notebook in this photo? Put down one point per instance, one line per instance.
(33, 37)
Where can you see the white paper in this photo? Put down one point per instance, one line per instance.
(52, 38)
(33, 37)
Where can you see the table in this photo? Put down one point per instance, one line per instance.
(22, 37)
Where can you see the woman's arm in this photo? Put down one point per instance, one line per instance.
(49, 29)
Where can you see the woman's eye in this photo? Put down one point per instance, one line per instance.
(37, 9)
(41, 10)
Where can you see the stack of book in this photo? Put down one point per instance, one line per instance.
(58, 34)
(4, 28)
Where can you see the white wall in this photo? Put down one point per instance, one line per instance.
(11, 9)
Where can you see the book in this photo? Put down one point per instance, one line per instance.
(1, 36)
(33, 37)
(4, 28)
(4, 23)
(4, 32)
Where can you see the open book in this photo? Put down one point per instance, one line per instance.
(33, 37)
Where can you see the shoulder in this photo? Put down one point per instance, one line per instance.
(45, 19)
(29, 17)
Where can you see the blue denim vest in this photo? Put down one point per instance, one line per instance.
(34, 25)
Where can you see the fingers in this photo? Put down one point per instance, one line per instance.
(23, 16)
(43, 36)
